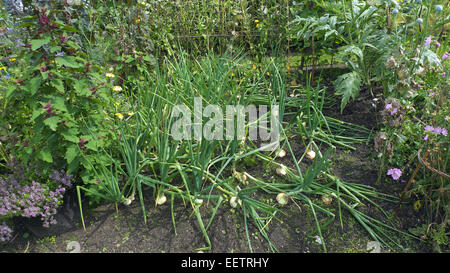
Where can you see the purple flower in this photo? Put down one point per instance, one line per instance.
(394, 111)
(59, 54)
(5, 232)
(428, 41)
(388, 106)
(437, 130)
(395, 173)
(425, 138)
(30, 198)
(438, 44)
(445, 56)
(429, 128)
(443, 74)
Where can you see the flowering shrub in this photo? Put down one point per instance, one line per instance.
(57, 94)
(22, 195)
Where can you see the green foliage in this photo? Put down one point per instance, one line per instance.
(348, 86)
(58, 96)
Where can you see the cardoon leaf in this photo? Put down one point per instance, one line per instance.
(348, 86)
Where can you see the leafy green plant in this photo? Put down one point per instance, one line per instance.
(58, 95)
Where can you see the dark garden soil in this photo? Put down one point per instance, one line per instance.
(293, 232)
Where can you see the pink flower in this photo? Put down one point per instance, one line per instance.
(445, 56)
(394, 111)
(395, 173)
(443, 74)
(388, 106)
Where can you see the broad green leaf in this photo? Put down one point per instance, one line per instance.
(68, 61)
(26, 24)
(59, 103)
(71, 153)
(10, 91)
(70, 29)
(70, 134)
(45, 155)
(348, 86)
(34, 84)
(35, 44)
(58, 84)
(73, 45)
(37, 112)
(52, 122)
(81, 88)
(53, 49)
(92, 145)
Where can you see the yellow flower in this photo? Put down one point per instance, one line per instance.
(288, 67)
(137, 20)
(417, 205)
(130, 113)
(12, 59)
(256, 21)
(117, 88)
(109, 75)
(257, 25)
(254, 67)
(232, 74)
(119, 115)
(268, 73)
(2, 68)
